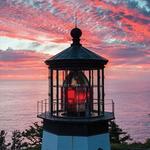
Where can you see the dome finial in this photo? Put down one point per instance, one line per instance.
(76, 34)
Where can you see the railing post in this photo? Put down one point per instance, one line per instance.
(103, 92)
(42, 106)
(45, 108)
(37, 107)
(113, 109)
(98, 92)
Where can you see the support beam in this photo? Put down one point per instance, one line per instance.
(51, 89)
(98, 90)
(57, 91)
(103, 92)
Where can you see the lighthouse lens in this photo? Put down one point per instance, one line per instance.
(76, 92)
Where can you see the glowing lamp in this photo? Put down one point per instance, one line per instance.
(76, 89)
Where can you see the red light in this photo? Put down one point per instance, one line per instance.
(81, 96)
(76, 96)
(71, 95)
(76, 92)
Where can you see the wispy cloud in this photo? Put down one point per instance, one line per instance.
(116, 29)
(22, 64)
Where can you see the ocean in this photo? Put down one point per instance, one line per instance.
(18, 105)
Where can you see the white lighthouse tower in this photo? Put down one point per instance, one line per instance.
(75, 117)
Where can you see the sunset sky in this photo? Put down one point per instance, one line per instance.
(33, 30)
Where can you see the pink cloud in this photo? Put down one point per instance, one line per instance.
(117, 32)
(16, 64)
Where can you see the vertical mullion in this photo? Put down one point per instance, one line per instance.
(98, 90)
(89, 100)
(92, 79)
(57, 91)
(91, 91)
(89, 78)
(51, 89)
(103, 93)
(64, 90)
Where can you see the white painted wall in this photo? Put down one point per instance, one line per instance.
(55, 142)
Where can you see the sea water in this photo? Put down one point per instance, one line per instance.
(18, 105)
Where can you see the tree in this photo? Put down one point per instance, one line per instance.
(33, 136)
(17, 140)
(3, 144)
(117, 135)
(147, 143)
(30, 139)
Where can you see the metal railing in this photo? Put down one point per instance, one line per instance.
(43, 108)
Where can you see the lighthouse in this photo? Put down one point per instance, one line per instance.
(76, 115)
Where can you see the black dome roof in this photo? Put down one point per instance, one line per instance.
(76, 56)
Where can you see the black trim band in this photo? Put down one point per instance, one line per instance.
(76, 129)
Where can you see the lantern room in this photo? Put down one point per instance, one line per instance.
(76, 81)
(76, 116)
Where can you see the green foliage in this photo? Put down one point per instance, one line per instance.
(132, 146)
(147, 143)
(3, 144)
(33, 136)
(117, 135)
(17, 141)
(30, 139)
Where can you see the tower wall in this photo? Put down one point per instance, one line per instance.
(60, 142)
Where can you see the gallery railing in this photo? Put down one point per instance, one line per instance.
(43, 109)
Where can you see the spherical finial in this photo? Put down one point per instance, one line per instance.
(76, 33)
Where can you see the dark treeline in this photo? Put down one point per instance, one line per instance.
(121, 140)
(31, 139)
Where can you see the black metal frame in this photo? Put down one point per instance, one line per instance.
(96, 84)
